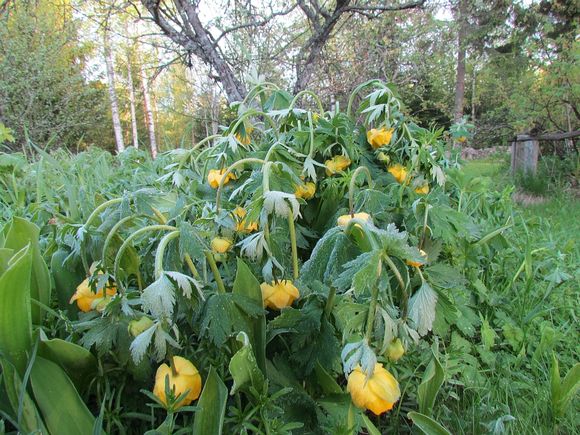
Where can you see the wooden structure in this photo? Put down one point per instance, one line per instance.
(526, 150)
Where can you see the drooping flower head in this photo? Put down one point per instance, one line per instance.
(278, 295)
(399, 172)
(242, 225)
(416, 263)
(379, 137)
(343, 220)
(87, 300)
(306, 190)
(220, 245)
(337, 164)
(214, 177)
(377, 393)
(183, 377)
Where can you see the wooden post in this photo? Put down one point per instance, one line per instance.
(525, 153)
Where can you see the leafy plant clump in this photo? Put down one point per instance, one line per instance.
(302, 271)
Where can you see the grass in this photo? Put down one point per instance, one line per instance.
(514, 395)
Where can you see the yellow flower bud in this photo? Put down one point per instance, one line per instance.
(343, 220)
(136, 327)
(336, 164)
(377, 393)
(183, 377)
(380, 137)
(422, 190)
(383, 158)
(215, 176)
(461, 139)
(278, 295)
(87, 300)
(395, 350)
(220, 245)
(399, 172)
(306, 190)
(416, 263)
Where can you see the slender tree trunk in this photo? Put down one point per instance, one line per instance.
(460, 79)
(113, 95)
(149, 119)
(473, 87)
(132, 103)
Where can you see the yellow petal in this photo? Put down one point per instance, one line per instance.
(343, 220)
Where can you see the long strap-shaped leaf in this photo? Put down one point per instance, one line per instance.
(209, 419)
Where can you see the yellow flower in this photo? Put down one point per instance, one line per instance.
(306, 190)
(380, 137)
(184, 377)
(220, 245)
(343, 220)
(136, 327)
(87, 300)
(422, 190)
(399, 172)
(279, 294)
(384, 158)
(395, 350)
(416, 263)
(337, 164)
(245, 139)
(241, 225)
(461, 139)
(215, 176)
(378, 393)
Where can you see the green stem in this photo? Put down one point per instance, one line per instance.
(191, 266)
(228, 172)
(424, 234)
(371, 313)
(330, 302)
(311, 125)
(110, 236)
(404, 293)
(100, 208)
(313, 95)
(357, 90)
(128, 241)
(215, 271)
(257, 90)
(292, 229)
(161, 251)
(352, 186)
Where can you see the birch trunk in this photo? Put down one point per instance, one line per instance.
(460, 79)
(113, 95)
(149, 119)
(132, 103)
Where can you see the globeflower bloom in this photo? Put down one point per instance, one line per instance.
(88, 300)
(183, 377)
(242, 226)
(278, 295)
(343, 220)
(215, 176)
(220, 245)
(137, 327)
(245, 139)
(422, 190)
(379, 137)
(337, 164)
(395, 350)
(306, 190)
(416, 263)
(399, 172)
(377, 393)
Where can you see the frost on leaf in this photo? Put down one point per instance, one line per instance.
(159, 297)
(281, 203)
(358, 353)
(422, 308)
(184, 282)
(140, 344)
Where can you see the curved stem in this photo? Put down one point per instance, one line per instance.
(161, 251)
(292, 230)
(215, 271)
(100, 208)
(259, 89)
(362, 225)
(129, 239)
(228, 172)
(254, 113)
(310, 124)
(160, 217)
(424, 234)
(312, 94)
(357, 90)
(329, 302)
(191, 266)
(266, 177)
(110, 236)
(371, 313)
(352, 186)
(270, 151)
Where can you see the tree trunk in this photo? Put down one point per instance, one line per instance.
(460, 79)
(132, 103)
(113, 95)
(149, 119)
(473, 87)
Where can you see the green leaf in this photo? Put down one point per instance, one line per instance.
(563, 390)
(247, 285)
(360, 273)
(427, 425)
(77, 362)
(244, 368)
(430, 385)
(326, 381)
(30, 421)
(21, 233)
(15, 320)
(65, 281)
(371, 428)
(63, 410)
(209, 418)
